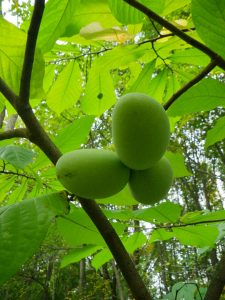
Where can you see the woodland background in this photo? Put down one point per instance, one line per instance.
(58, 85)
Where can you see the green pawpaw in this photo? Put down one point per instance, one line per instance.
(140, 130)
(92, 173)
(151, 185)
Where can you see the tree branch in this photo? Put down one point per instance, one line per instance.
(181, 34)
(191, 83)
(24, 93)
(15, 133)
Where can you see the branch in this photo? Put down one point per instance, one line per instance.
(191, 83)
(24, 93)
(15, 133)
(217, 282)
(115, 245)
(181, 34)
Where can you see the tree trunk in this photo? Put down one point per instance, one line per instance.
(217, 283)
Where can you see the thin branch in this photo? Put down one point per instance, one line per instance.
(191, 83)
(15, 133)
(189, 224)
(181, 34)
(17, 174)
(24, 93)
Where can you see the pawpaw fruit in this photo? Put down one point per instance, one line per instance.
(151, 185)
(92, 173)
(140, 130)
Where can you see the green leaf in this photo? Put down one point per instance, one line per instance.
(90, 12)
(156, 86)
(124, 197)
(74, 134)
(17, 156)
(18, 193)
(125, 13)
(57, 15)
(119, 57)
(141, 85)
(178, 164)
(203, 216)
(67, 88)
(197, 236)
(209, 20)
(12, 48)
(99, 92)
(166, 212)
(23, 227)
(204, 96)
(190, 56)
(78, 254)
(101, 258)
(131, 243)
(78, 229)
(216, 134)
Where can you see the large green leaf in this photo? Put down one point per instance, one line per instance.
(142, 84)
(99, 92)
(204, 96)
(198, 235)
(57, 16)
(23, 227)
(203, 216)
(77, 229)
(90, 12)
(67, 88)
(217, 133)
(209, 20)
(74, 134)
(131, 243)
(17, 156)
(12, 48)
(125, 13)
(79, 253)
(120, 57)
(166, 212)
(190, 56)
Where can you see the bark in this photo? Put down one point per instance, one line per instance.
(217, 282)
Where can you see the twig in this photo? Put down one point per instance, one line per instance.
(17, 174)
(192, 82)
(15, 133)
(181, 34)
(189, 224)
(24, 93)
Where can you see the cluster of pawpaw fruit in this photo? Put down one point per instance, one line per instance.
(140, 132)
